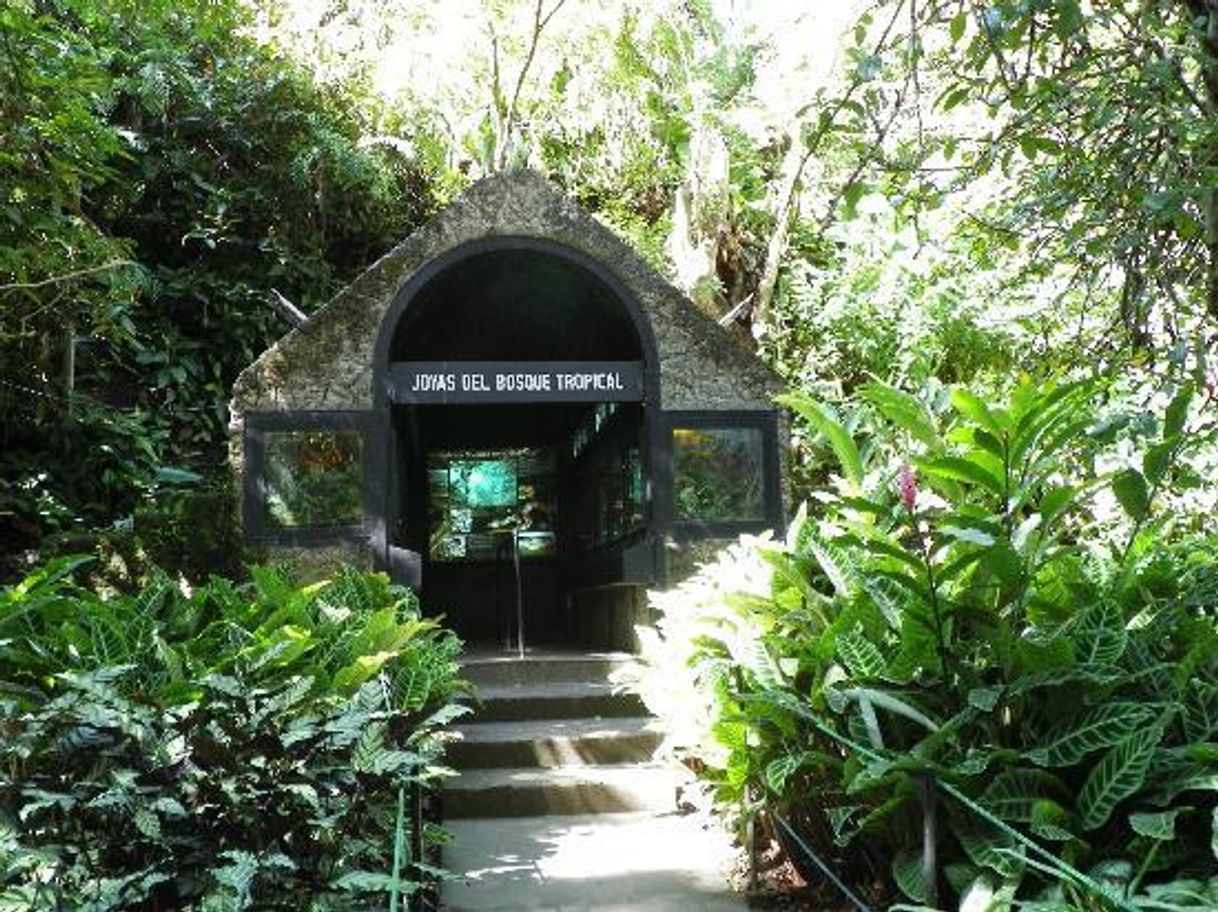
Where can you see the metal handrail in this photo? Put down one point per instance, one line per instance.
(515, 544)
(519, 592)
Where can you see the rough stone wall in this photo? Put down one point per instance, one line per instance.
(327, 363)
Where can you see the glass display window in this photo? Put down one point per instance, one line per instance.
(482, 503)
(608, 490)
(718, 474)
(312, 479)
(309, 476)
(721, 475)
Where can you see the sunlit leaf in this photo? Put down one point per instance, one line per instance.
(839, 438)
(1131, 492)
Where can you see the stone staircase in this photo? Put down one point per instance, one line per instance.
(560, 803)
(549, 736)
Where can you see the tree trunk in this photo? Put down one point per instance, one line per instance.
(699, 219)
(1210, 201)
(785, 204)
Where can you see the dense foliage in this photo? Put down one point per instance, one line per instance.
(236, 747)
(972, 187)
(164, 177)
(993, 596)
(906, 190)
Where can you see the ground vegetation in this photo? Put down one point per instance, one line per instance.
(239, 746)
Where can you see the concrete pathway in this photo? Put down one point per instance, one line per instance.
(645, 862)
(561, 804)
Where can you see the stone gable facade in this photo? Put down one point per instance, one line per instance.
(331, 373)
(328, 362)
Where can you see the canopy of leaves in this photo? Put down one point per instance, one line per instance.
(907, 190)
(163, 176)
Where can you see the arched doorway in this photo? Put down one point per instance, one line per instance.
(519, 383)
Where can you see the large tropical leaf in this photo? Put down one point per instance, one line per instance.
(987, 846)
(905, 411)
(1176, 415)
(1099, 728)
(907, 874)
(1052, 420)
(839, 438)
(860, 655)
(1131, 491)
(970, 406)
(1013, 793)
(1157, 825)
(1200, 710)
(1101, 635)
(958, 468)
(1120, 773)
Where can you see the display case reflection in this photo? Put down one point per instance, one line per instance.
(718, 474)
(313, 479)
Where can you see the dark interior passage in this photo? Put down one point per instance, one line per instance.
(557, 488)
(518, 306)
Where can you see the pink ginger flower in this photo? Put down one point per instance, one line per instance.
(907, 485)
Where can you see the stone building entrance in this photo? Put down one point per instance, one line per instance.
(514, 414)
(519, 375)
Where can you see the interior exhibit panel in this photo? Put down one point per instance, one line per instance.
(485, 503)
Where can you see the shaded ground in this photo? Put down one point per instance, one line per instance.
(780, 888)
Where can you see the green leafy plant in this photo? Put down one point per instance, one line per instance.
(961, 611)
(238, 747)
(165, 175)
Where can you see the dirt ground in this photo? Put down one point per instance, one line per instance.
(779, 887)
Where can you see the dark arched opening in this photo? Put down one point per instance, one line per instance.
(519, 380)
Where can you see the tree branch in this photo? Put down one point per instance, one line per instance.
(504, 140)
(788, 197)
(67, 276)
(1209, 47)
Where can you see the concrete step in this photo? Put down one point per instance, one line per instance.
(555, 742)
(637, 862)
(533, 791)
(553, 700)
(538, 666)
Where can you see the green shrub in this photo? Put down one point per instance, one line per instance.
(962, 609)
(238, 747)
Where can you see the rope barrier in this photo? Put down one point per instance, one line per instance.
(821, 865)
(1047, 859)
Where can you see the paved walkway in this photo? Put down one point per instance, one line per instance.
(561, 804)
(642, 861)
